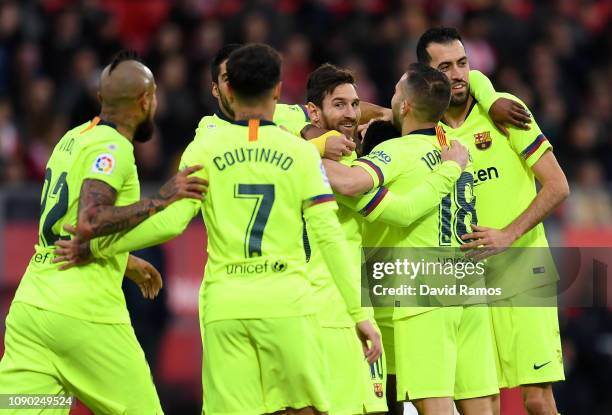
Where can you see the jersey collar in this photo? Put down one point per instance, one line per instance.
(245, 123)
(424, 131)
(474, 102)
(107, 123)
(221, 115)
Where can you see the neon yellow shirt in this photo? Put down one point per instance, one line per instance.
(331, 311)
(261, 184)
(401, 164)
(292, 117)
(504, 185)
(92, 292)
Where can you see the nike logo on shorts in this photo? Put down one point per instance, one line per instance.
(536, 367)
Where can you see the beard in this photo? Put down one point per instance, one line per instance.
(225, 105)
(144, 131)
(396, 121)
(328, 125)
(460, 99)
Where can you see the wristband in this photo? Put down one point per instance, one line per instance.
(320, 141)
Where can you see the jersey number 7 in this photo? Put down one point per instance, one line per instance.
(263, 194)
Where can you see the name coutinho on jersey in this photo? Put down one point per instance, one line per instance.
(253, 155)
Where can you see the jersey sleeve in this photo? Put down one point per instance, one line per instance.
(155, 230)
(402, 210)
(482, 89)
(316, 192)
(325, 230)
(530, 144)
(291, 117)
(381, 164)
(110, 161)
(162, 226)
(205, 127)
(195, 154)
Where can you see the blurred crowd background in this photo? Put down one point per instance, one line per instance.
(556, 55)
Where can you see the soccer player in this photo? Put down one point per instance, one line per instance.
(292, 117)
(262, 342)
(333, 104)
(431, 344)
(69, 332)
(510, 213)
(355, 386)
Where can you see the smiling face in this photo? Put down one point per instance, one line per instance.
(340, 110)
(450, 59)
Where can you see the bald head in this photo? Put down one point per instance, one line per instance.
(127, 95)
(125, 82)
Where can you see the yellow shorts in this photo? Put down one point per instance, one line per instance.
(384, 320)
(527, 345)
(446, 352)
(257, 366)
(101, 364)
(356, 387)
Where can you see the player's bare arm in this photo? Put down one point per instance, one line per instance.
(371, 111)
(145, 275)
(98, 216)
(348, 181)
(553, 191)
(506, 111)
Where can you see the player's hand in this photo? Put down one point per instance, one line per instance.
(145, 275)
(362, 129)
(337, 146)
(486, 242)
(506, 111)
(370, 340)
(456, 152)
(71, 252)
(184, 186)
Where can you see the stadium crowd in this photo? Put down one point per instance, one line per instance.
(555, 55)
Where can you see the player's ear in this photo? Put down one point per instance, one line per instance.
(145, 101)
(313, 112)
(215, 89)
(276, 93)
(405, 107)
(99, 96)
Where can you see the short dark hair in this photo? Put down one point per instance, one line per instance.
(324, 80)
(443, 35)
(378, 131)
(122, 56)
(430, 91)
(222, 55)
(253, 70)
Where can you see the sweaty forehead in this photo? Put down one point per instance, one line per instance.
(445, 52)
(343, 91)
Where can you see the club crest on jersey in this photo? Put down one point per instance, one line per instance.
(378, 390)
(482, 140)
(105, 163)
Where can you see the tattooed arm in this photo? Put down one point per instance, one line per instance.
(98, 216)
